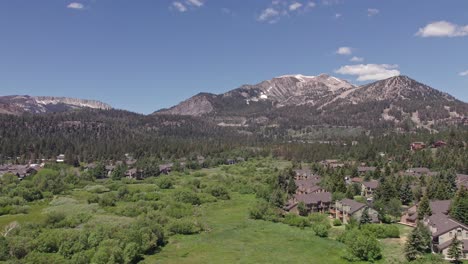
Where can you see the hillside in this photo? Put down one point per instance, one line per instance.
(19, 104)
(398, 102)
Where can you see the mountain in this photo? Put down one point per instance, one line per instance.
(326, 100)
(18, 104)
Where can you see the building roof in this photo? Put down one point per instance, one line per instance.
(371, 184)
(354, 206)
(357, 179)
(440, 206)
(366, 169)
(314, 198)
(420, 170)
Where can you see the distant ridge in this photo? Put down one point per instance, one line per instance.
(19, 104)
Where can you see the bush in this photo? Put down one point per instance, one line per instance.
(186, 196)
(382, 230)
(165, 183)
(184, 227)
(337, 222)
(178, 210)
(319, 219)
(96, 189)
(264, 211)
(296, 220)
(363, 246)
(321, 230)
(54, 218)
(219, 192)
(108, 199)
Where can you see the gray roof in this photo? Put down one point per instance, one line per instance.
(314, 198)
(366, 169)
(440, 206)
(421, 170)
(354, 206)
(371, 184)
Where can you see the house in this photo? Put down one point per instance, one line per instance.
(303, 174)
(443, 229)
(110, 169)
(132, 174)
(314, 202)
(362, 170)
(231, 161)
(417, 146)
(308, 184)
(332, 163)
(419, 171)
(166, 168)
(462, 181)
(21, 171)
(437, 207)
(368, 188)
(439, 144)
(60, 158)
(347, 209)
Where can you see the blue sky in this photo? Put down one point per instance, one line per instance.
(143, 55)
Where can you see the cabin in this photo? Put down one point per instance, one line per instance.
(362, 170)
(368, 188)
(347, 209)
(314, 202)
(417, 146)
(166, 168)
(439, 144)
(60, 158)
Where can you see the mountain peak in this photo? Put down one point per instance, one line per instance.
(17, 104)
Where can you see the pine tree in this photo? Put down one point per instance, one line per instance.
(424, 208)
(459, 209)
(291, 186)
(365, 217)
(454, 251)
(406, 194)
(418, 243)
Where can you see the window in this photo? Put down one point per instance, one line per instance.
(450, 234)
(459, 233)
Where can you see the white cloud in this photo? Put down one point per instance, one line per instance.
(357, 59)
(372, 11)
(197, 3)
(370, 72)
(75, 5)
(179, 6)
(330, 2)
(442, 29)
(311, 4)
(464, 73)
(295, 6)
(338, 15)
(269, 15)
(344, 51)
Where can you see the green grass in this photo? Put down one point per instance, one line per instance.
(233, 238)
(34, 215)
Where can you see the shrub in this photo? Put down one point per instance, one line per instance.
(178, 210)
(295, 220)
(108, 199)
(93, 198)
(319, 219)
(382, 230)
(165, 183)
(321, 230)
(264, 211)
(219, 192)
(54, 218)
(186, 196)
(183, 226)
(96, 189)
(337, 222)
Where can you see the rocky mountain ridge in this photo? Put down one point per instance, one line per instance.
(19, 104)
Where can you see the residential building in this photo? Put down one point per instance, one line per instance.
(314, 202)
(368, 188)
(347, 209)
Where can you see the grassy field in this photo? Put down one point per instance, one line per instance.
(228, 235)
(233, 238)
